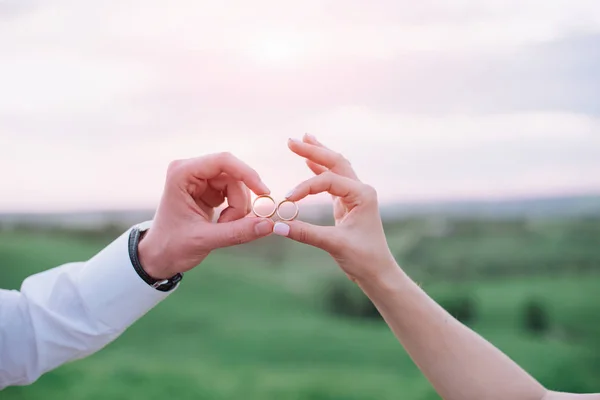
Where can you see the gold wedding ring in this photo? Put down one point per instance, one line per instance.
(276, 208)
(264, 196)
(293, 217)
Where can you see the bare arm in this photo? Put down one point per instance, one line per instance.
(459, 363)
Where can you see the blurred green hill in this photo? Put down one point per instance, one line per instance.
(535, 207)
(277, 320)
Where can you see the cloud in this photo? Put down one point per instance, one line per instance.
(406, 157)
(429, 99)
(203, 91)
(229, 22)
(16, 8)
(85, 57)
(66, 84)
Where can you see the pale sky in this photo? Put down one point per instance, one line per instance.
(430, 100)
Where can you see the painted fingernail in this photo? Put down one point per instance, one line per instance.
(281, 229)
(290, 193)
(263, 228)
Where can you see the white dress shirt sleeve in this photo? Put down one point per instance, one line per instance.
(69, 312)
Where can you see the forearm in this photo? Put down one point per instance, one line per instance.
(459, 363)
(69, 312)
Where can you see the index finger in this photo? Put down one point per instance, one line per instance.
(212, 165)
(332, 183)
(323, 156)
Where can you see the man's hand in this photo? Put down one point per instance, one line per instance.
(183, 232)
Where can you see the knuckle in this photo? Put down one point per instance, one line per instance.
(369, 192)
(326, 176)
(174, 164)
(239, 236)
(174, 167)
(303, 235)
(225, 156)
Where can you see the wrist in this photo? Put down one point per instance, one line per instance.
(388, 278)
(152, 259)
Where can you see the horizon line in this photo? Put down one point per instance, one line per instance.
(315, 204)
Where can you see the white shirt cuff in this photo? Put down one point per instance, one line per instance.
(112, 291)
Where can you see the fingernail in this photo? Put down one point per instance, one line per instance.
(281, 229)
(294, 140)
(290, 193)
(311, 137)
(263, 228)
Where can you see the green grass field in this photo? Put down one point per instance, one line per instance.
(244, 327)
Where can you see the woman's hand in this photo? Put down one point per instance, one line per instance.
(458, 362)
(357, 241)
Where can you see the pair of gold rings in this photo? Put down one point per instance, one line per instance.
(276, 208)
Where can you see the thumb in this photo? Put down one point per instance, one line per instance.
(243, 230)
(323, 237)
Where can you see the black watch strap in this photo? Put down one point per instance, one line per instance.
(163, 285)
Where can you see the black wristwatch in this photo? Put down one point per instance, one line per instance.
(164, 285)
